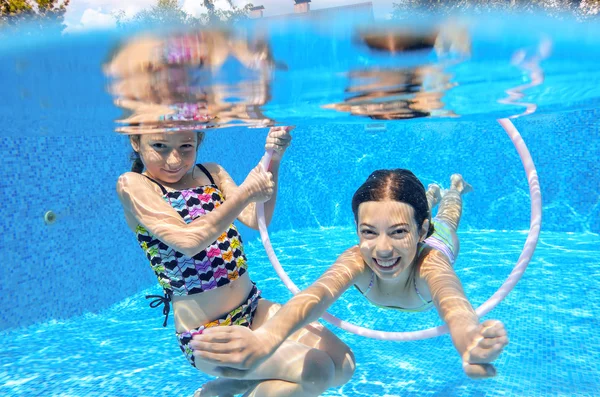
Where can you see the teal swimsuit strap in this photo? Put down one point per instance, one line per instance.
(418, 293)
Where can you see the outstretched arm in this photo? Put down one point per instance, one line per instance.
(243, 349)
(308, 305)
(477, 344)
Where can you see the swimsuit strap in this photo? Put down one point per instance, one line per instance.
(417, 291)
(370, 283)
(203, 169)
(159, 185)
(161, 300)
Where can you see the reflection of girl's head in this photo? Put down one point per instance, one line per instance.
(396, 185)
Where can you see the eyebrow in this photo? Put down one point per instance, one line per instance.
(399, 224)
(160, 140)
(391, 227)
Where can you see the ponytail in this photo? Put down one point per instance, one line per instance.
(137, 164)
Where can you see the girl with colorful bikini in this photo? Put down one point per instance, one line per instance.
(182, 214)
(404, 261)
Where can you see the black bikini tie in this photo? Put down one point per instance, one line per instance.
(161, 300)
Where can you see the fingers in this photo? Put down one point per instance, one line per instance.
(284, 129)
(492, 329)
(479, 355)
(488, 343)
(217, 359)
(279, 139)
(223, 346)
(214, 347)
(485, 350)
(479, 371)
(277, 143)
(266, 175)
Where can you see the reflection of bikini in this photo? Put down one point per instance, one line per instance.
(441, 240)
(217, 265)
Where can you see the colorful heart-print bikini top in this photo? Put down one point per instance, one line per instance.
(219, 264)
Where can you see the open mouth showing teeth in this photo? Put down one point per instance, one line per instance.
(387, 264)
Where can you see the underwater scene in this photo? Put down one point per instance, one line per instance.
(327, 202)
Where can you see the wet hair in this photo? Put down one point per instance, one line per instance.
(397, 185)
(136, 161)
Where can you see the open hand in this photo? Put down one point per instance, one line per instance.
(235, 350)
(487, 342)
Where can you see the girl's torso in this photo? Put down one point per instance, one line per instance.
(407, 295)
(196, 309)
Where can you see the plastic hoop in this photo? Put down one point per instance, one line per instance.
(522, 262)
(497, 297)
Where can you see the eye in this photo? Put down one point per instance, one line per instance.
(366, 232)
(399, 232)
(158, 145)
(187, 146)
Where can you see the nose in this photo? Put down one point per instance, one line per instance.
(384, 248)
(173, 160)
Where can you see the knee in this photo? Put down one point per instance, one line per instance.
(319, 371)
(344, 370)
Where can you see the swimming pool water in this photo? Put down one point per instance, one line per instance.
(74, 321)
(552, 323)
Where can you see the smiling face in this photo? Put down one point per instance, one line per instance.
(388, 236)
(167, 157)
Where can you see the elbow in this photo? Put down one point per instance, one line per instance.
(191, 250)
(188, 251)
(191, 246)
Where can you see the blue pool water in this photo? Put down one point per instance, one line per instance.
(74, 321)
(552, 323)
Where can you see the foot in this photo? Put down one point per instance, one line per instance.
(223, 387)
(434, 193)
(458, 183)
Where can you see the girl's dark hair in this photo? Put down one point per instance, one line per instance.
(138, 166)
(397, 185)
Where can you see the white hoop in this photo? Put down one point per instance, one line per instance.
(497, 297)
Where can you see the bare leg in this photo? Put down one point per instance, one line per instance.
(434, 195)
(224, 387)
(450, 209)
(277, 388)
(309, 362)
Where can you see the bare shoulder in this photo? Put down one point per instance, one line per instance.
(351, 259)
(221, 177)
(133, 187)
(213, 168)
(126, 181)
(431, 263)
